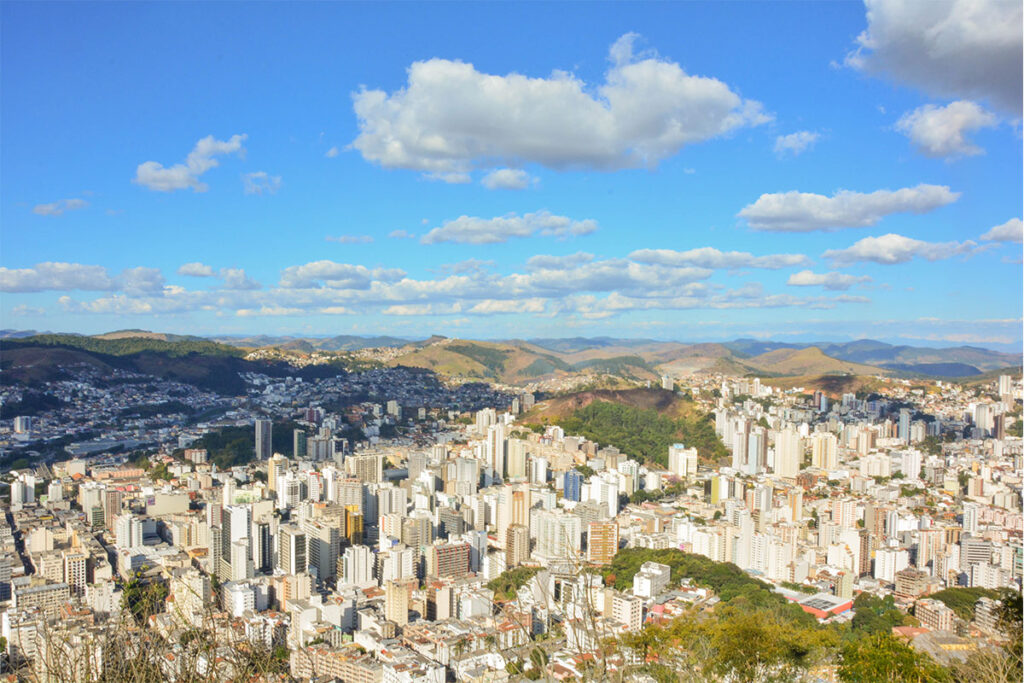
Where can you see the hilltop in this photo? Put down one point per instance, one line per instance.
(659, 400)
(808, 361)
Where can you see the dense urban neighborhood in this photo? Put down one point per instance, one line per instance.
(393, 525)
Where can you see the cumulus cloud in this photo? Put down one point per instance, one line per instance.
(942, 131)
(58, 207)
(473, 230)
(709, 257)
(497, 306)
(545, 262)
(260, 182)
(350, 239)
(154, 176)
(805, 212)
(451, 118)
(56, 276)
(1010, 231)
(235, 278)
(401, 235)
(796, 143)
(335, 276)
(141, 281)
(507, 179)
(196, 269)
(953, 48)
(471, 265)
(331, 153)
(833, 281)
(268, 311)
(892, 249)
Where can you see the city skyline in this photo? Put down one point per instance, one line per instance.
(680, 171)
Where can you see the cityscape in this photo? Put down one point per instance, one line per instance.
(502, 342)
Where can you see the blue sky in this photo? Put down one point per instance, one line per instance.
(690, 171)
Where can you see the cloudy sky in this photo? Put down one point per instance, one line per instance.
(683, 171)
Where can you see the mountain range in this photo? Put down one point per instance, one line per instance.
(616, 361)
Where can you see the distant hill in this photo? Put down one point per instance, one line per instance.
(204, 364)
(957, 361)
(310, 344)
(507, 363)
(809, 361)
(659, 400)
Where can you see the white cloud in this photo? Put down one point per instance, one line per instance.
(833, 281)
(155, 176)
(235, 278)
(941, 131)
(892, 249)
(337, 310)
(56, 276)
(496, 306)
(804, 212)
(331, 153)
(260, 182)
(471, 265)
(401, 235)
(1010, 231)
(507, 179)
(451, 177)
(545, 262)
(196, 269)
(423, 309)
(451, 118)
(709, 257)
(795, 143)
(58, 207)
(141, 281)
(335, 276)
(952, 48)
(350, 239)
(268, 310)
(473, 230)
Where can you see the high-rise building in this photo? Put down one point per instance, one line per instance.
(291, 549)
(789, 453)
(448, 560)
(904, 425)
(602, 542)
(682, 461)
(572, 483)
(276, 468)
(264, 439)
(299, 444)
(323, 543)
(396, 601)
(517, 545)
(356, 567)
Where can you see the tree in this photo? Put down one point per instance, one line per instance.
(881, 658)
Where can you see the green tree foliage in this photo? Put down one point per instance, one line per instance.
(492, 359)
(232, 446)
(735, 643)
(881, 658)
(31, 403)
(875, 615)
(643, 434)
(506, 584)
(961, 600)
(128, 345)
(727, 580)
(142, 598)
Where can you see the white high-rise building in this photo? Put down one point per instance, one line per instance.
(558, 534)
(357, 567)
(888, 561)
(682, 461)
(789, 453)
